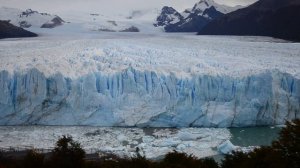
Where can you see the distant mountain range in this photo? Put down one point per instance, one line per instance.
(30, 18)
(194, 19)
(8, 30)
(34, 21)
(276, 18)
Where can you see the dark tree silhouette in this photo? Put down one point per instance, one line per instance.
(67, 154)
(33, 159)
(284, 152)
(288, 144)
(183, 160)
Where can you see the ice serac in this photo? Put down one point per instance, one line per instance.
(144, 98)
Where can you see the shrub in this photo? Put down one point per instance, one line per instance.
(209, 163)
(183, 160)
(288, 144)
(33, 159)
(135, 162)
(67, 154)
(235, 160)
(285, 152)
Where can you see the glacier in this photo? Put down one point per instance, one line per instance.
(149, 81)
(146, 99)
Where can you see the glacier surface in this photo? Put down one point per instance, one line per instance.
(149, 81)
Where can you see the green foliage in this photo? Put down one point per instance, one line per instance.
(135, 162)
(33, 159)
(209, 163)
(67, 154)
(264, 157)
(288, 144)
(182, 160)
(172, 160)
(9, 162)
(177, 160)
(235, 160)
(284, 153)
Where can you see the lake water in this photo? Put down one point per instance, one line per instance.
(152, 142)
(254, 136)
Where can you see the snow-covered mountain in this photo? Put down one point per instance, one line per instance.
(202, 5)
(98, 22)
(30, 18)
(136, 20)
(8, 30)
(192, 20)
(168, 16)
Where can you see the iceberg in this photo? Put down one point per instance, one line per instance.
(226, 147)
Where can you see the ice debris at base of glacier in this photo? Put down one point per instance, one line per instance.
(153, 143)
(149, 81)
(227, 147)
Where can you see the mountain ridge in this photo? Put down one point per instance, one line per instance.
(8, 30)
(264, 18)
(30, 18)
(191, 20)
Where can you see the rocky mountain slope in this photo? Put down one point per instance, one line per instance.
(30, 18)
(276, 18)
(8, 30)
(191, 20)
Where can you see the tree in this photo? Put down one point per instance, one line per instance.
(288, 144)
(284, 152)
(33, 159)
(235, 160)
(183, 160)
(67, 154)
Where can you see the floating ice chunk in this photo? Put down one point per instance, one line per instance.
(148, 139)
(187, 136)
(246, 149)
(156, 152)
(113, 149)
(207, 138)
(181, 147)
(200, 153)
(226, 147)
(170, 142)
(134, 142)
(121, 138)
(201, 145)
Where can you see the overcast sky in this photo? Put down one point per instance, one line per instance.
(106, 6)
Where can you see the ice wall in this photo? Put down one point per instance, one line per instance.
(148, 99)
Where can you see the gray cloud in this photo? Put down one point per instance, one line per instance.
(235, 2)
(106, 6)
